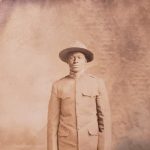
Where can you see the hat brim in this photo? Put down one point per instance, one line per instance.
(63, 55)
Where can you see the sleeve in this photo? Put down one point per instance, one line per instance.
(104, 118)
(99, 114)
(53, 119)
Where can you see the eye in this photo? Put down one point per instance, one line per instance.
(71, 57)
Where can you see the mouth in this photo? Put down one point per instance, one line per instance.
(75, 66)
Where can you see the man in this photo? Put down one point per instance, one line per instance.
(78, 113)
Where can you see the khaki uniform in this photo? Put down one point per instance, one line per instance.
(77, 115)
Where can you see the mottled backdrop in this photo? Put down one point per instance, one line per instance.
(32, 32)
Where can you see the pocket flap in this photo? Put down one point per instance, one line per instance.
(89, 93)
(93, 131)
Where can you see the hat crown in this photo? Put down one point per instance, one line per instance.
(79, 44)
(76, 47)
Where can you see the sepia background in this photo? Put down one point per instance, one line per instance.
(32, 32)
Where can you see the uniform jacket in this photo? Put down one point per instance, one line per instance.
(78, 115)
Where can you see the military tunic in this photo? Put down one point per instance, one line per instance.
(76, 114)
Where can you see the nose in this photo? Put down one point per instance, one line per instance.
(75, 60)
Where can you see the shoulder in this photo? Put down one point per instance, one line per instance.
(100, 82)
(60, 81)
(95, 81)
(95, 78)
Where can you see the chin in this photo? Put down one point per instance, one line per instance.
(76, 70)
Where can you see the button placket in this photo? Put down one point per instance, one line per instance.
(76, 110)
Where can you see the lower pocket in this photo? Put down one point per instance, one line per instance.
(93, 132)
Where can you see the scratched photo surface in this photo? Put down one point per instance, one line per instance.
(32, 32)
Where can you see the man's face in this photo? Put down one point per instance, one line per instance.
(76, 61)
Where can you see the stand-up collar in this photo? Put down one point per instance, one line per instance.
(76, 75)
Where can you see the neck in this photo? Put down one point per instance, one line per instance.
(76, 74)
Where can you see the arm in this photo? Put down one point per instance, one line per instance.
(104, 117)
(53, 120)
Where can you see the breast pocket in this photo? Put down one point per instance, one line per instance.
(89, 101)
(88, 94)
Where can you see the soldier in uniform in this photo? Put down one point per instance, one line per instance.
(78, 111)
